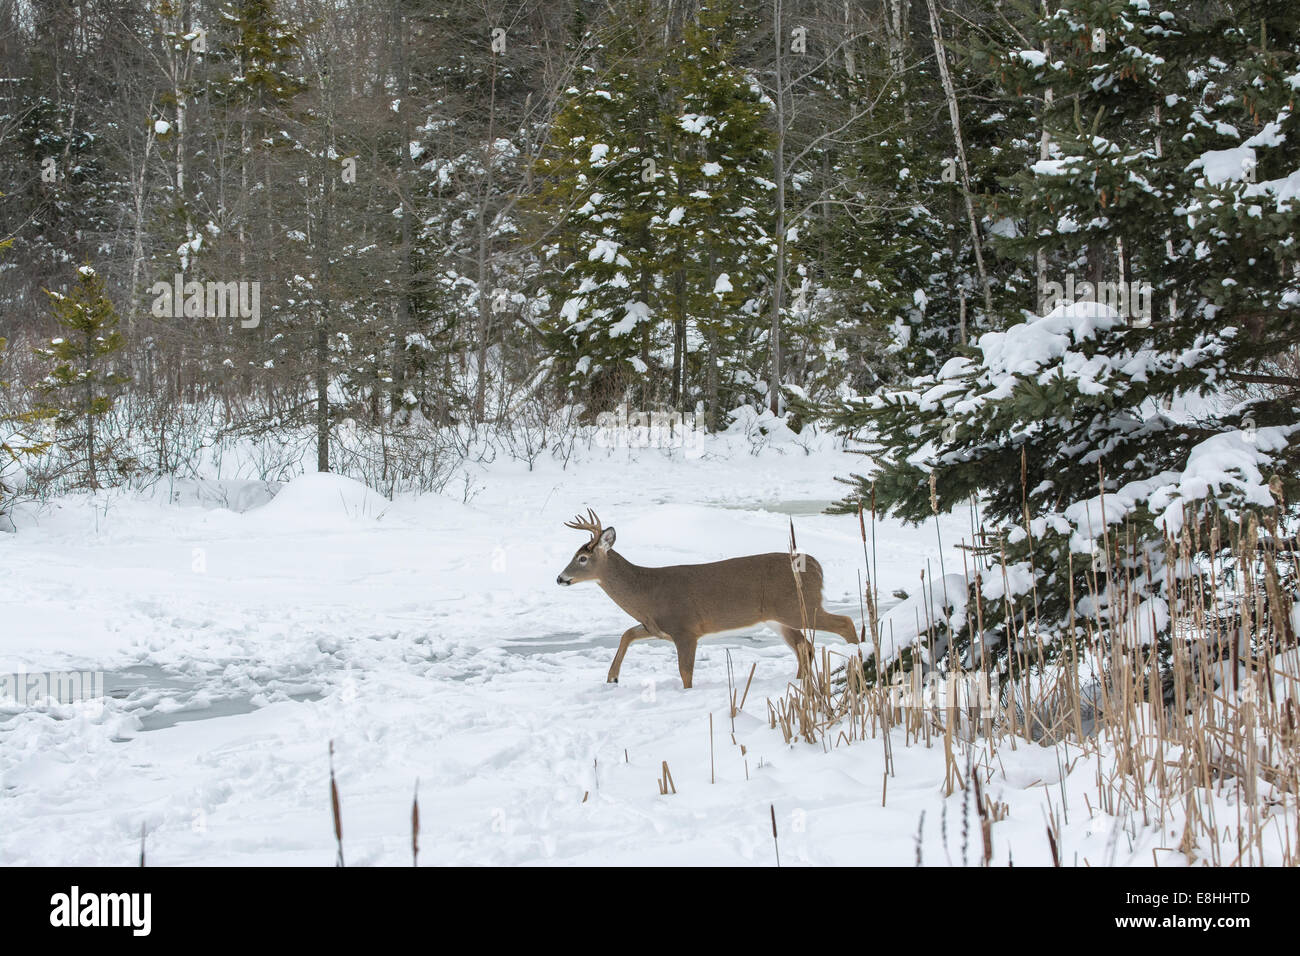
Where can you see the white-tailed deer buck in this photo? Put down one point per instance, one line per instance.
(685, 602)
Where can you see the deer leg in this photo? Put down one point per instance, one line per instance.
(637, 633)
(802, 647)
(686, 658)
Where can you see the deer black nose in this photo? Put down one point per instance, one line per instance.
(559, 579)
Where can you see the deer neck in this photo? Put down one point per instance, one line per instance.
(624, 582)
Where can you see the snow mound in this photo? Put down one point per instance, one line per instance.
(318, 497)
(232, 494)
(931, 612)
(753, 424)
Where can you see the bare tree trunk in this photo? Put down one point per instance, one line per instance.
(778, 170)
(950, 94)
(896, 36)
(179, 74)
(322, 332)
(484, 254)
(243, 192)
(400, 371)
(88, 403)
(850, 62)
(678, 392)
(679, 362)
(137, 237)
(1044, 152)
(712, 412)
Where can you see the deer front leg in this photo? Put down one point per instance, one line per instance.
(686, 658)
(638, 633)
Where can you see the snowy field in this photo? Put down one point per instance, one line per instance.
(427, 638)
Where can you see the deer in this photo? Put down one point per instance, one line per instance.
(685, 602)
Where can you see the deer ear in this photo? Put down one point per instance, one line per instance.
(607, 539)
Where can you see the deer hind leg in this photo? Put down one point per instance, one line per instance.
(638, 633)
(802, 647)
(686, 657)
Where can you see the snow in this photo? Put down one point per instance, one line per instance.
(1006, 227)
(1054, 167)
(606, 250)
(1231, 468)
(939, 601)
(697, 124)
(1238, 163)
(13, 476)
(1026, 348)
(427, 639)
(319, 500)
(1227, 467)
(634, 313)
(1224, 165)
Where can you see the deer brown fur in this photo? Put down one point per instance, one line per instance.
(684, 602)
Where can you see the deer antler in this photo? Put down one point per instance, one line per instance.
(590, 523)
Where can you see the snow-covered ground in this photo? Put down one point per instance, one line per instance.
(427, 638)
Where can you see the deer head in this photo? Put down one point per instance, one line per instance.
(588, 561)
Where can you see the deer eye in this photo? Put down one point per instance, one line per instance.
(583, 559)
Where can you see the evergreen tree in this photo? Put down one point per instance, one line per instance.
(657, 179)
(256, 61)
(601, 171)
(716, 251)
(1074, 414)
(81, 385)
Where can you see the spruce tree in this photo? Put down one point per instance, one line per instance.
(712, 230)
(601, 175)
(1072, 429)
(80, 387)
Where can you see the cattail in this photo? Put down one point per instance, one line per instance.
(666, 784)
(334, 806)
(712, 775)
(775, 845)
(415, 825)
